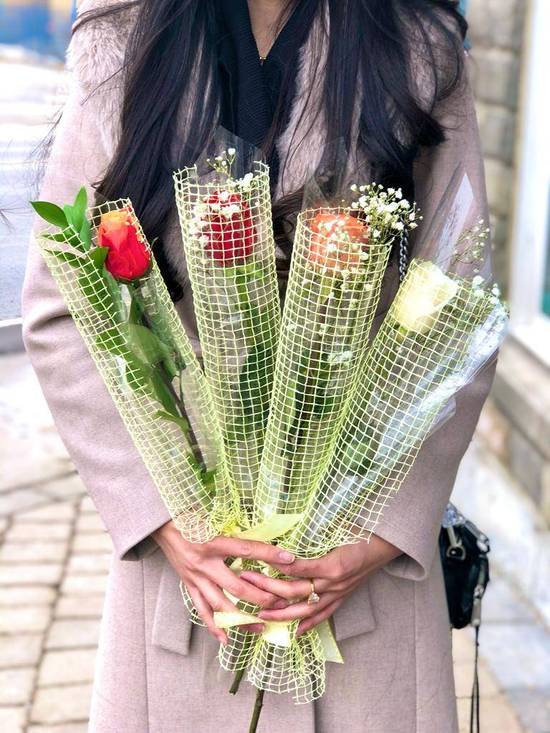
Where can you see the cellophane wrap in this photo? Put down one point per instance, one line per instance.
(237, 306)
(102, 321)
(439, 331)
(327, 317)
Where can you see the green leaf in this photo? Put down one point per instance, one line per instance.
(68, 211)
(113, 341)
(147, 344)
(68, 257)
(50, 213)
(86, 234)
(98, 256)
(163, 393)
(67, 236)
(95, 289)
(182, 422)
(79, 208)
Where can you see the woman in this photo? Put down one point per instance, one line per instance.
(151, 81)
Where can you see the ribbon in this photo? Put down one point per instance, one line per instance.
(278, 633)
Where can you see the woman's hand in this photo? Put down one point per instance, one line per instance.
(201, 566)
(334, 577)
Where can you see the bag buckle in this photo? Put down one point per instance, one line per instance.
(456, 549)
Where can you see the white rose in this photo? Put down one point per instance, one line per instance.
(424, 293)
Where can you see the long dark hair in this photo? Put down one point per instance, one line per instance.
(372, 40)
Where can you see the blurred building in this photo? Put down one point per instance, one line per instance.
(38, 25)
(511, 50)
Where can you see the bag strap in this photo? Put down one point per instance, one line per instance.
(474, 701)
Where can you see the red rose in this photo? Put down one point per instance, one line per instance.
(230, 228)
(337, 240)
(128, 257)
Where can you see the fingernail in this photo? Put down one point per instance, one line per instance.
(256, 628)
(285, 556)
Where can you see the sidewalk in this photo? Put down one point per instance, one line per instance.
(54, 558)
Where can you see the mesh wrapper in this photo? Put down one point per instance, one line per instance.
(326, 321)
(230, 254)
(417, 361)
(199, 510)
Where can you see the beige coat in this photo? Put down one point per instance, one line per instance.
(157, 674)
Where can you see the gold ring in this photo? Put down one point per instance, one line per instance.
(313, 596)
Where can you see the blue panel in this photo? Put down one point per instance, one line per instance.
(36, 27)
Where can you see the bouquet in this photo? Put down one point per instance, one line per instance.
(299, 429)
(116, 295)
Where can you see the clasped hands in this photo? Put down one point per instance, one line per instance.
(335, 576)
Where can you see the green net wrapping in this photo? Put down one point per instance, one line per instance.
(329, 307)
(123, 353)
(438, 332)
(230, 253)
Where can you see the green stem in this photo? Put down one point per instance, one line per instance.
(258, 704)
(237, 681)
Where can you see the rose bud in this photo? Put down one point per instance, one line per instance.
(337, 240)
(128, 257)
(230, 228)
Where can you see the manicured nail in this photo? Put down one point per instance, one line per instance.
(256, 628)
(285, 556)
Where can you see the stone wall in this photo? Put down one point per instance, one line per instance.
(496, 34)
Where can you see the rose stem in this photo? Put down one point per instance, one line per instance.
(257, 710)
(237, 681)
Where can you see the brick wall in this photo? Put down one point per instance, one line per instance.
(496, 34)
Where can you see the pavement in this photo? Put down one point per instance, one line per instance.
(54, 560)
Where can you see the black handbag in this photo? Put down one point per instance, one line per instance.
(464, 554)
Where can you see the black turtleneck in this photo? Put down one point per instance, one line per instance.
(250, 89)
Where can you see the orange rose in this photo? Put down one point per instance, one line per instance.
(128, 257)
(337, 240)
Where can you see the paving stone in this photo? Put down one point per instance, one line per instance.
(25, 531)
(25, 619)
(533, 707)
(84, 584)
(65, 634)
(15, 501)
(69, 728)
(76, 607)
(47, 574)
(68, 703)
(31, 459)
(57, 511)
(87, 506)
(497, 716)
(89, 523)
(96, 563)
(519, 654)
(22, 650)
(67, 667)
(33, 552)
(93, 542)
(16, 685)
(464, 675)
(12, 719)
(36, 595)
(67, 486)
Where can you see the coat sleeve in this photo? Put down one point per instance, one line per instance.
(83, 410)
(412, 519)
